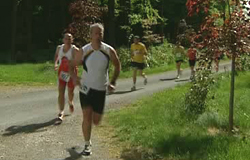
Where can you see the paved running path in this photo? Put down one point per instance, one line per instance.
(27, 117)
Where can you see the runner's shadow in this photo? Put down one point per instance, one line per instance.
(121, 92)
(182, 80)
(74, 155)
(30, 128)
(167, 79)
(125, 92)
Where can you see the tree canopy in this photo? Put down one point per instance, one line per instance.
(39, 24)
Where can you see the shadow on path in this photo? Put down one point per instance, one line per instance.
(124, 92)
(167, 79)
(30, 128)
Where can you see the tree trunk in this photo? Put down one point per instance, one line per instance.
(63, 10)
(29, 29)
(111, 15)
(102, 3)
(162, 23)
(13, 31)
(231, 101)
(125, 11)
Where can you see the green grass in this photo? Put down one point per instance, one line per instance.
(154, 70)
(44, 74)
(159, 123)
(28, 74)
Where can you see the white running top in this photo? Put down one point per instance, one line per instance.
(68, 54)
(95, 65)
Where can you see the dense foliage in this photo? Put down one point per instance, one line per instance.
(39, 24)
(230, 37)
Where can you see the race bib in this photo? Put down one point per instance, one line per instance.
(64, 76)
(178, 55)
(84, 89)
(136, 52)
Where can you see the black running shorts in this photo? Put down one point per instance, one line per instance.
(177, 61)
(192, 63)
(139, 66)
(95, 99)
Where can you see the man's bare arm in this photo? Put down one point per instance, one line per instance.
(56, 59)
(116, 62)
(75, 51)
(77, 60)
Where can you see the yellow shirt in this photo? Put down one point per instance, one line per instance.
(139, 52)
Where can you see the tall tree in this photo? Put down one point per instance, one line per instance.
(231, 37)
(29, 20)
(6, 9)
(111, 25)
(125, 10)
(84, 13)
(13, 30)
(123, 26)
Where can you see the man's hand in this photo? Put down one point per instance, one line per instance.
(116, 62)
(56, 67)
(76, 80)
(111, 88)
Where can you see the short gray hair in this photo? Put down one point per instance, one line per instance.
(96, 25)
(67, 34)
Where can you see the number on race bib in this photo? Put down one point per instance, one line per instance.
(84, 89)
(136, 52)
(178, 55)
(64, 76)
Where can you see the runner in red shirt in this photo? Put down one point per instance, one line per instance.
(191, 53)
(65, 53)
(217, 57)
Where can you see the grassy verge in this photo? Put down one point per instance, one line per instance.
(44, 74)
(154, 70)
(28, 74)
(161, 59)
(159, 123)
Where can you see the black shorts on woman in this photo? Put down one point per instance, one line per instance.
(139, 66)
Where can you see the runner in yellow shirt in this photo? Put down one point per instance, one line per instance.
(138, 56)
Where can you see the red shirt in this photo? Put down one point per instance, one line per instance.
(64, 66)
(192, 53)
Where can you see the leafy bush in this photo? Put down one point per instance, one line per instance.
(196, 97)
(124, 56)
(243, 63)
(160, 55)
(201, 84)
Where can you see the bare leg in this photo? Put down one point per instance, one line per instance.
(87, 123)
(61, 98)
(178, 66)
(192, 71)
(144, 76)
(71, 97)
(134, 76)
(97, 118)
